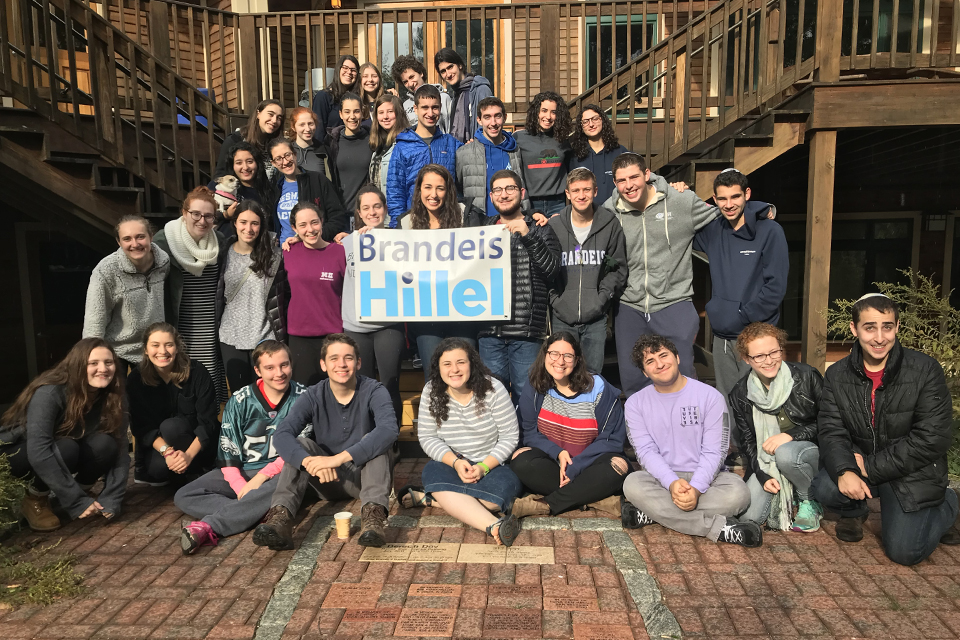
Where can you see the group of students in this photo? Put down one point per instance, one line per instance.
(258, 299)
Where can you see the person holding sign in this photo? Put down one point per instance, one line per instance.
(509, 348)
(469, 428)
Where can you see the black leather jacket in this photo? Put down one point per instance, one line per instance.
(907, 445)
(801, 408)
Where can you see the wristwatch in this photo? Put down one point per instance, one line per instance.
(164, 449)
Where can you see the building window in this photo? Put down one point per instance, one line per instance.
(394, 41)
(483, 46)
(601, 41)
(865, 27)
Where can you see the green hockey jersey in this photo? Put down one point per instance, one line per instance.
(246, 433)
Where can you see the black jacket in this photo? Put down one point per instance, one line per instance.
(173, 286)
(914, 425)
(801, 407)
(535, 262)
(316, 188)
(278, 320)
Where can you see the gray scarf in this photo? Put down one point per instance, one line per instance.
(766, 405)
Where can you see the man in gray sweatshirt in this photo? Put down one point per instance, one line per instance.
(659, 224)
(593, 267)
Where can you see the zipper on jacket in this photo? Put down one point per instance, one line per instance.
(646, 271)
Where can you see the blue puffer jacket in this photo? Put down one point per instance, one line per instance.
(410, 155)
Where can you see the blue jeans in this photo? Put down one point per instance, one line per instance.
(798, 462)
(549, 205)
(592, 337)
(433, 333)
(510, 359)
(908, 538)
(501, 486)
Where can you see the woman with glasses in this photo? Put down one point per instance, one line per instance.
(595, 147)
(190, 294)
(572, 435)
(326, 104)
(775, 406)
(294, 186)
(265, 124)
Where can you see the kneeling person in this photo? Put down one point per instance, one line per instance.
(354, 428)
(233, 498)
(678, 428)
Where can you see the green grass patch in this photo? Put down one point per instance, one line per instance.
(37, 576)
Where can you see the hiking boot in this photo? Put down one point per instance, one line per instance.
(633, 518)
(808, 517)
(851, 529)
(36, 509)
(609, 505)
(276, 531)
(373, 520)
(531, 505)
(195, 535)
(745, 534)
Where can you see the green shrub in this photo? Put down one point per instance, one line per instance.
(37, 576)
(928, 323)
(12, 490)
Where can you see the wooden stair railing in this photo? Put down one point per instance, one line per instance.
(73, 67)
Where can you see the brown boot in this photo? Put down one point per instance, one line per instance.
(609, 505)
(373, 521)
(531, 505)
(36, 509)
(276, 531)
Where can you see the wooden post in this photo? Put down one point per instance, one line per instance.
(550, 48)
(816, 272)
(829, 24)
(160, 31)
(679, 94)
(249, 63)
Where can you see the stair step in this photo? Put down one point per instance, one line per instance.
(112, 189)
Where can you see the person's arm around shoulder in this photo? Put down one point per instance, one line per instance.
(703, 213)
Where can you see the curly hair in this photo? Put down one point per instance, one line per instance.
(403, 63)
(580, 378)
(579, 142)
(651, 343)
(563, 126)
(449, 215)
(71, 372)
(261, 184)
(755, 331)
(478, 380)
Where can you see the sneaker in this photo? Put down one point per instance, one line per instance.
(633, 518)
(142, 478)
(195, 535)
(417, 362)
(808, 517)
(36, 510)
(531, 505)
(745, 534)
(851, 529)
(276, 531)
(373, 521)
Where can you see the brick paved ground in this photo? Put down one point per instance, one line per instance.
(140, 586)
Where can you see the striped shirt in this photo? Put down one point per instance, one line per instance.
(198, 323)
(571, 423)
(493, 433)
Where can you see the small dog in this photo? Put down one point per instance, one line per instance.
(226, 192)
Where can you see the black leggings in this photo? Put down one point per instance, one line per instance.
(380, 352)
(540, 473)
(89, 458)
(177, 433)
(238, 366)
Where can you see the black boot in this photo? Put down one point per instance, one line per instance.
(851, 529)
(373, 521)
(276, 531)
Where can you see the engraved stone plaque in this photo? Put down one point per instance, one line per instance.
(482, 553)
(511, 623)
(529, 555)
(389, 614)
(451, 590)
(557, 603)
(602, 632)
(390, 552)
(433, 552)
(426, 623)
(363, 595)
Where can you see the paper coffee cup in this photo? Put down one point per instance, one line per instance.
(343, 524)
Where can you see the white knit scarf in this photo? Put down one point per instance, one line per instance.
(766, 405)
(193, 256)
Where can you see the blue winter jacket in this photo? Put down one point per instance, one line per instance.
(410, 155)
(748, 270)
(611, 426)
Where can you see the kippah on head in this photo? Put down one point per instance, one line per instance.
(871, 295)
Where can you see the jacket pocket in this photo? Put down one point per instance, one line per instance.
(725, 318)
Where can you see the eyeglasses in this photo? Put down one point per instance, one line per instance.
(352, 70)
(761, 358)
(287, 157)
(593, 120)
(198, 215)
(510, 188)
(556, 355)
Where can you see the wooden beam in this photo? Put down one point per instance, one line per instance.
(249, 63)
(549, 48)
(816, 272)
(160, 31)
(829, 25)
(786, 135)
(886, 105)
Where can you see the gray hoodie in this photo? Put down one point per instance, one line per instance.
(122, 302)
(660, 245)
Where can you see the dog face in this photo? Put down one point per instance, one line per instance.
(228, 184)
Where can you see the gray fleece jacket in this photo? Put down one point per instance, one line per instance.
(660, 245)
(121, 302)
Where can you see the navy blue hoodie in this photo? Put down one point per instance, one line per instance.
(602, 166)
(748, 270)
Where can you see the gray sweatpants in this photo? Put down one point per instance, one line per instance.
(211, 499)
(728, 496)
(728, 368)
(370, 483)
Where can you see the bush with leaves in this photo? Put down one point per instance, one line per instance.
(37, 575)
(928, 323)
(12, 490)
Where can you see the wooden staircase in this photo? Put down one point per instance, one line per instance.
(95, 126)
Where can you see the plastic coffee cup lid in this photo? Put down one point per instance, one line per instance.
(342, 515)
